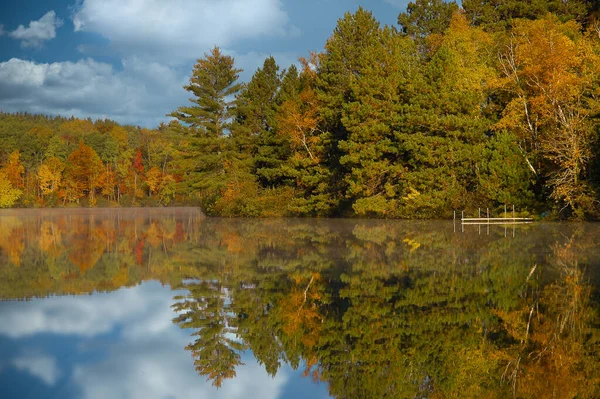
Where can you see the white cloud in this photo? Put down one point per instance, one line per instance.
(42, 366)
(38, 31)
(141, 93)
(180, 29)
(2, 32)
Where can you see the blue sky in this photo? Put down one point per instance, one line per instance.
(127, 60)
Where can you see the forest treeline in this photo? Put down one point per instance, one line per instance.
(479, 105)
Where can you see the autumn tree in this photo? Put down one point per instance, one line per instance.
(14, 169)
(8, 193)
(50, 175)
(34, 145)
(298, 120)
(73, 131)
(82, 172)
(550, 69)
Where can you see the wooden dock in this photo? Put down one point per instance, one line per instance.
(493, 220)
(496, 220)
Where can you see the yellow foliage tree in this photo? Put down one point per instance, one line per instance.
(8, 194)
(549, 70)
(299, 116)
(50, 175)
(153, 180)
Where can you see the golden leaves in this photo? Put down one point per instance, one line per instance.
(50, 175)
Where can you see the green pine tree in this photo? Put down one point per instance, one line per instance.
(445, 123)
(499, 14)
(425, 17)
(347, 52)
(212, 162)
(373, 171)
(256, 125)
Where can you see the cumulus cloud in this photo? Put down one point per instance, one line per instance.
(41, 366)
(38, 31)
(142, 93)
(180, 29)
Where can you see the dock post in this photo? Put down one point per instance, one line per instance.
(504, 210)
(513, 213)
(454, 214)
(488, 215)
(479, 209)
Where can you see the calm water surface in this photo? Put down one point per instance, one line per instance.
(169, 304)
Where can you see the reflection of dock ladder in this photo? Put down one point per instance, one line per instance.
(493, 220)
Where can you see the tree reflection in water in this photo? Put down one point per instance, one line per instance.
(372, 308)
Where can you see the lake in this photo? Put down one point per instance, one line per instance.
(166, 303)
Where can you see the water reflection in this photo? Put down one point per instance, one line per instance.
(370, 308)
(117, 345)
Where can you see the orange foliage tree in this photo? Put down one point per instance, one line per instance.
(83, 171)
(14, 169)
